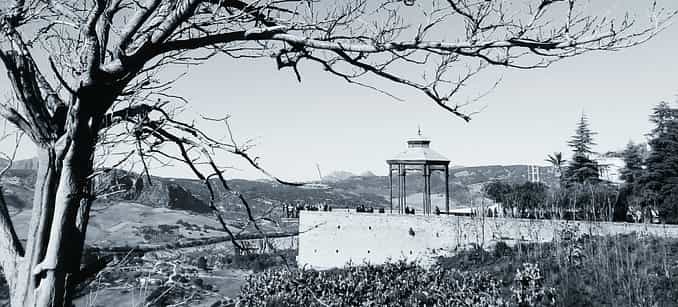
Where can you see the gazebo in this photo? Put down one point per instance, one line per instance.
(417, 158)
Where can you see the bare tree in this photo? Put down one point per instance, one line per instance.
(106, 84)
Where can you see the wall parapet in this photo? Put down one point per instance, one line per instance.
(334, 239)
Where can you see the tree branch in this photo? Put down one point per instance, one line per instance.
(30, 87)
(182, 11)
(145, 11)
(13, 116)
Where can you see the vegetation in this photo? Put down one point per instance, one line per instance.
(650, 176)
(578, 270)
(524, 198)
(393, 284)
(261, 262)
(190, 277)
(580, 201)
(657, 182)
(649, 191)
(581, 194)
(557, 161)
(631, 196)
(582, 168)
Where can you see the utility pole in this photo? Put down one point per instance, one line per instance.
(533, 173)
(320, 175)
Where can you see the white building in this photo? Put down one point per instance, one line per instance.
(611, 168)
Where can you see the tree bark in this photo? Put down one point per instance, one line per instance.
(49, 272)
(43, 205)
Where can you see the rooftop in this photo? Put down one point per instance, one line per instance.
(419, 150)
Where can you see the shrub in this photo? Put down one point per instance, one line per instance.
(583, 270)
(502, 249)
(528, 287)
(261, 262)
(393, 284)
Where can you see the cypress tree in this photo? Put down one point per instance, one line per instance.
(633, 156)
(631, 192)
(660, 180)
(582, 167)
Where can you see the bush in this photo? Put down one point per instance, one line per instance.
(528, 288)
(393, 284)
(501, 249)
(261, 262)
(583, 270)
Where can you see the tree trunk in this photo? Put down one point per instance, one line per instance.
(48, 272)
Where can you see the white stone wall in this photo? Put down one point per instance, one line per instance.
(333, 239)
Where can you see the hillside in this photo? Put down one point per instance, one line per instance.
(347, 190)
(189, 194)
(131, 210)
(463, 181)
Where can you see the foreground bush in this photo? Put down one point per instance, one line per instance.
(395, 284)
(621, 270)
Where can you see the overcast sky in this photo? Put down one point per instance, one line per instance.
(340, 126)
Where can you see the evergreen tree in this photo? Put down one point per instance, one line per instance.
(660, 180)
(530, 196)
(662, 116)
(582, 167)
(497, 191)
(633, 156)
(582, 140)
(631, 192)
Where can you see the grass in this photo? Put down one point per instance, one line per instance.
(262, 262)
(622, 270)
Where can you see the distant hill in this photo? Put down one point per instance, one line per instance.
(25, 164)
(130, 209)
(509, 173)
(344, 189)
(337, 176)
(367, 174)
(190, 194)
(465, 182)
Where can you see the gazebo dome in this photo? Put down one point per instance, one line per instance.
(419, 150)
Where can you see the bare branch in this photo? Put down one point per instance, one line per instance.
(143, 13)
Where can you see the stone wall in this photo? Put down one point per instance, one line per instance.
(333, 239)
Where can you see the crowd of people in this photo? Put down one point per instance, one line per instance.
(370, 209)
(293, 211)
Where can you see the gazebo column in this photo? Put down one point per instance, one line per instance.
(427, 189)
(423, 201)
(447, 188)
(403, 191)
(390, 185)
(399, 186)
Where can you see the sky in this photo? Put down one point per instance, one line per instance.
(325, 121)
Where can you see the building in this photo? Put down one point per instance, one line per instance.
(417, 158)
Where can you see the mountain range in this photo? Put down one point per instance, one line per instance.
(339, 189)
